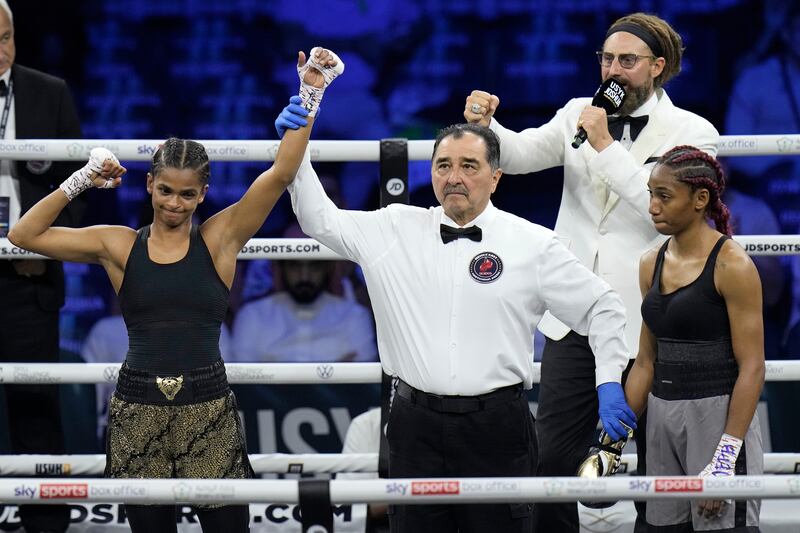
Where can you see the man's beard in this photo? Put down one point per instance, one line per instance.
(304, 292)
(635, 97)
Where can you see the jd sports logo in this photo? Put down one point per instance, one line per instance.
(395, 186)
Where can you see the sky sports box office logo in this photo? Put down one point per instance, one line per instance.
(434, 488)
(51, 491)
(679, 485)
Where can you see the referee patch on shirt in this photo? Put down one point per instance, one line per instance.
(485, 267)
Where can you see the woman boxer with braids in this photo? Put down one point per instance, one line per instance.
(173, 414)
(700, 367)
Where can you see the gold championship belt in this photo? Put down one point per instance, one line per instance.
(603, 460)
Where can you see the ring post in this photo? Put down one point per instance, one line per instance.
(315, 506)
(394, 171)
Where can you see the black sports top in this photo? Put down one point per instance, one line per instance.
(173, 311)
(695, 312)
(694, 357)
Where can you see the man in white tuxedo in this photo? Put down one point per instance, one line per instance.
(603, 218)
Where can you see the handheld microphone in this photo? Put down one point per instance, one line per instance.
(610, 96)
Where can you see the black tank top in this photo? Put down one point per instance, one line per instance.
(695, 312)
(173, 311)
(694, 353)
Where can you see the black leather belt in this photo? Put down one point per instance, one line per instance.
(459, 404)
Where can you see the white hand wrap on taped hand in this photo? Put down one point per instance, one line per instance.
(724, 462)
(312, 96)
(81, 179)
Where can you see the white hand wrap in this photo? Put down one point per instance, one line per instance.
(724, 461)
(81, 179)
(312, 96)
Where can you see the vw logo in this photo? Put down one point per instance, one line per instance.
(325, 371)
(600, 522)
(111, 373)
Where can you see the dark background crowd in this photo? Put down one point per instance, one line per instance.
(206, 69)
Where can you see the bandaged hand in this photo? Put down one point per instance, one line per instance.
(615, 414)
(723, 464)
(102, 171)
(322, 67)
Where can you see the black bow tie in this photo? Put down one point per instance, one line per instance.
(616, 125)
(3, 88)
(450, 233)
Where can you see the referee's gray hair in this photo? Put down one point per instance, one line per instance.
(458, 130)
(4, 6)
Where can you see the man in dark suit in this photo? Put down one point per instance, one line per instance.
(33, 105)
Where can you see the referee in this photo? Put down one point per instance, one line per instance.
(457, 292)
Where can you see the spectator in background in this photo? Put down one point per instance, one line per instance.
(782, 395)
(256, 276)
(364, 436)
(794, 319)
(35, 106)
(766, 100)
(303, 321)
(752, 216)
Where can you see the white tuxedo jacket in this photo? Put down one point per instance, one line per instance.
(603, 218)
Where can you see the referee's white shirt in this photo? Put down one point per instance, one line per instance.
(441, 330)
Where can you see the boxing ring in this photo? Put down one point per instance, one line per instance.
(16, 489)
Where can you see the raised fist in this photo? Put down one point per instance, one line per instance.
(480, 107)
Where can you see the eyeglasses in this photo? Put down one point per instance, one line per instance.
(626, 61)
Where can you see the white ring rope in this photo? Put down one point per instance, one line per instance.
(311, 249)
(254, 249)
(283, 463)
(238, 373)
(344, 150)
(774, 463)
(407, 491)
(272, 463)
(266, 373)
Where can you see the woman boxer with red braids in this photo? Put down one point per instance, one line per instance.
(173, 414)
(700, 368)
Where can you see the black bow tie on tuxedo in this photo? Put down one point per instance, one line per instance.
(450, 233)
(3, 88)
(616, 125)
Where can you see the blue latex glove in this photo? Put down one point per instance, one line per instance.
(292, 117)
(614, 409)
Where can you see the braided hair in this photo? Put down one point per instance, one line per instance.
(699, 170)
(181, 154)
